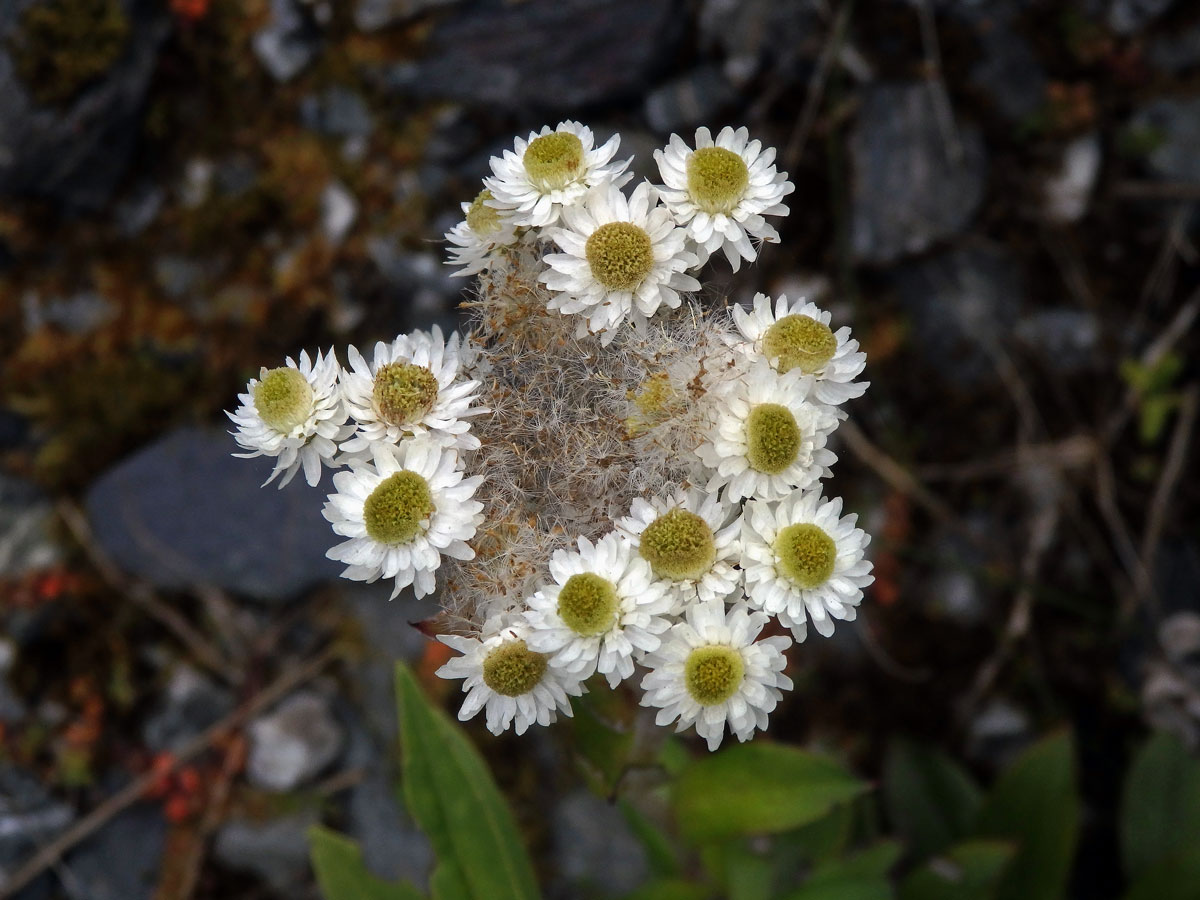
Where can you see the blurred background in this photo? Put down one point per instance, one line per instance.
(1000, 196)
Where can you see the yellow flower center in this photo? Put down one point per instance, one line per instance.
(404, 393)
(395, 510)
(716, 179)
(805, 554)
(678, 545)
(553, 161)
(283, 399)
(772, 438)
(799, 341)
(587, 604)
(713, 674)
(620, 255)
(513, 669)
(481, 218)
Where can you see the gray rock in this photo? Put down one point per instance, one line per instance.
(545, 54)
(293, 743)
(29, 817)
(339, 209)
(178, 276)
(1171, 127)
(77, 152)
(374, 15)
(1009, 72)
(137, 211)
(287, 43)
(26, 520)
(337, 112)
(760, 34)
(275, 851)
(1175, 51)
(1067, 192)
(690, 100)
(1127, 17)
(958, 301)
(421, 277)
(80, 313)
(998, 734)
(1067, 340)
(136, 838)
(12, 707)
(184, 511)
(191, 703)
(908, 193)
(595, 852)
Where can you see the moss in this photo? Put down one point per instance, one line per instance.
(65, 45)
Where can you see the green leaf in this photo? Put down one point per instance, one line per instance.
(967, 871)
(862, 876)
(342, 874)
(1160, 810)
(451, 795)
(660, 853)
(826, 837)
(931, 800)
(602, 747)
(670, 889)
(758, 788)
(744, 873)
(1177, 878)
(1036, 804)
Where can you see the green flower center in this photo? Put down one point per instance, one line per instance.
(283, 398)
(553, 161)
(394, 511)
(587, 604)
(716, 179)
(678, 545)
(482, 219)
(404, 393)
(713, 674)
(619, 255)
(799, 341)
(772, 438)
(513, 669)
(805, 554)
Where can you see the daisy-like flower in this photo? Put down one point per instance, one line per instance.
(692, 542)
(481, 232)
(712, 671)
(403, 513)
(532, 183)
(514, 683)
(410, 387)
(768, 439)
(295, 414)
(804, 560)
(797, 336)
(721, 191)
(603, 609)
(620, 257)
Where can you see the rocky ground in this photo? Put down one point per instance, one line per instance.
(1000, 197)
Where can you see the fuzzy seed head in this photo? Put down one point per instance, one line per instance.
(713, 674)
(805, 554)
(395, 510)
(283, 398)
(553, 161)
(619, 255)
(587, 604)
(404, 393)
(716, 179)
(481, 218)
(512, 669)
(678, 545)
(772, 438)
(799, 342)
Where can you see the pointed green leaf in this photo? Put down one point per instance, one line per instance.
(1035, 803)
(451, 795)
(967, 871)
(1160, 813)
(758, 788)
(671, 889)
(861, 876)
(931, 800)
(1177, 878)
(342, 874)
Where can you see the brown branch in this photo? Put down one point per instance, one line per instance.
(893, 473)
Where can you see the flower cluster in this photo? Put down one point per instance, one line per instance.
(603, 475)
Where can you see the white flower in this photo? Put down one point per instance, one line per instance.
(721, 193)
(692, 542)
(410, 387)
(295, 414)
(481, 232)
(711, 671)
(797, 335)
(513, 682)
(403, 513)
(803, 561)
(621, 257)
(532, 183)
(768, 439)
(603, 609)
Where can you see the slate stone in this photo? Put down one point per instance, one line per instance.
(690, 100)
(137, 838)
(375, 15)
(757, 35)
(288, 42)
(191, 703)
(293, 743)
(337, 112)
(29, 817)
(26, 523)
(1175, 51)
(183, 511)
(1127, 17)
(908, 193)
(595, 852)
(1172, 127)
(1009, 72)
(1066, 340)
(276, 851)
(76, 153)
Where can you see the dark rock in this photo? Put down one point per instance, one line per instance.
(136, 838)
(26, 520)
(79, 314)
(29, 818)
(12, 707)
(1067, 340)
(958, 301)
(14, 429)
(1127, 17)
(908, 193)
(1170, 129)
(275, 851)
(596, 854)
(287, 43)
(545, 55)
(1175, 51)
(756, 35)
(337, 112)
(690, 100)
(74, 146)
(138, 209)
(1009, 72)
(184, 511)
(1067, 192)
(998, 734)
(190, 704)
(293, 743)
(374, 15)
(178, 276)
